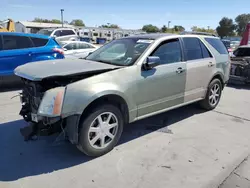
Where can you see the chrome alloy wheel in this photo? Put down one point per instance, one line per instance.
(214, 94)
(103, 130)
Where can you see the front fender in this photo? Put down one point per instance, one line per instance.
(78, 96)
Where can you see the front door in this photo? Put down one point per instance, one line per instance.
(200, 66)
(163, 86)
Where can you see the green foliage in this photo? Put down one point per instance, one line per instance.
(41, 20)
(150, 28)
(114, 26)
(241, 21)
(198, 29)
(164, 29)
(77, 22)
(226, 27)
(178, 28)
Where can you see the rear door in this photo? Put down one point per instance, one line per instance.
(200, 66)
(16, 51)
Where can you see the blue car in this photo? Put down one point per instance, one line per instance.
(20, 48)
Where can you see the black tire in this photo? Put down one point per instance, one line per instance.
(84, 126)
(205, 104)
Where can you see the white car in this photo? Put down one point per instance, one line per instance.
(60, 34)
(78, 49)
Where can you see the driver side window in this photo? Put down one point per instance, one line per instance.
(169, 52)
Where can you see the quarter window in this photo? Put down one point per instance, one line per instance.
(16, 42)
(38, 42)
(192, 48)
(169, 52)
(217, 44)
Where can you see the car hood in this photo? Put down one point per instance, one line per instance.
(36, 71)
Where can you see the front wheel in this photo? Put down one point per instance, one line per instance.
(100, 131)
(213, 95)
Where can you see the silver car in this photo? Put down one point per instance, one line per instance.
(90, 100)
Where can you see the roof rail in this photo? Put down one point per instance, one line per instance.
(198, 33)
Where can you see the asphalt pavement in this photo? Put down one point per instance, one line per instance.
(186, 147)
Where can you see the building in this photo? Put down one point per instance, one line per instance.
(34, 27)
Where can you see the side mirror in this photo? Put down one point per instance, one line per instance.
(54, 36)
(65, 49)
(152, 61)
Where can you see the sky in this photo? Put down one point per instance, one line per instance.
(128, 14)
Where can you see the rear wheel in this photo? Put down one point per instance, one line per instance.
(213, 95)
(100, 131)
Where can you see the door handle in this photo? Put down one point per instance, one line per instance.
(210, 64)
(179, 70)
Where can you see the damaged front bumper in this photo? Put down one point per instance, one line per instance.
(240, 70)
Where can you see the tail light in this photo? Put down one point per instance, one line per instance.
(58, 50)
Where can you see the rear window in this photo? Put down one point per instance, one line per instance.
(217, 44)
(38, 42)
(241, 52)
(67, 32)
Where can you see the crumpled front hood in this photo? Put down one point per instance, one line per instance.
(37, 71)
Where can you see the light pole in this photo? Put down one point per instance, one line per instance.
(62, 16)
(169, 24)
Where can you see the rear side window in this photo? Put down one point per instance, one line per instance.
(38, 42)
(192, 48)
(217, 44)
(71, 46)
(205, 52)
(84, 46)
(16, 42)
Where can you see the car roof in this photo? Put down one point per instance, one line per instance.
(152, 36)
(155, 36)
(25, 34)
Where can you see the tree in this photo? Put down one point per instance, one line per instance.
(226, 27)
(150, 28)
(41, 20)
(108, 25)
(198, 29)
(77, 22)
(56, 21)
(241, 22)
(164, 29)
(179, 28)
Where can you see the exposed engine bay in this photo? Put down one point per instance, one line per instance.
(31, 97)
(240, 69)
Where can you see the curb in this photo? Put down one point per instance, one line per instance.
(229, 169)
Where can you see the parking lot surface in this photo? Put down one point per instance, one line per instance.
(186, 147)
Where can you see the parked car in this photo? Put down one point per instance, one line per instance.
(90, 100)
(20, 48)
(77, 48)
(240, 66)
(227, 43)
(60, 34)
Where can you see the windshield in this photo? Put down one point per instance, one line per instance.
(45, 32)
(122, 52)
(241, 52)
